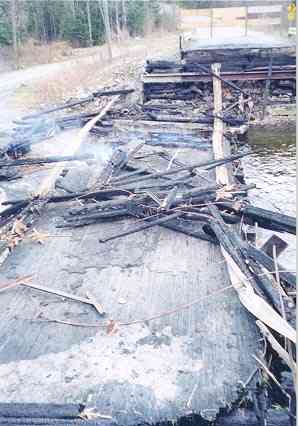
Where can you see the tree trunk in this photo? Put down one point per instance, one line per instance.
(89, 23)
(104, 8)
(13, 13)
(124, 19)
(73, 8)
(148, 20)
(117, 21)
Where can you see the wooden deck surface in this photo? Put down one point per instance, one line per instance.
(190, 360)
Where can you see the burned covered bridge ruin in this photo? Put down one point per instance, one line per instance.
(133, 288)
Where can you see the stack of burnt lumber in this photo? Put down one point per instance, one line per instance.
(191, 77)
(12, 169)
(239, 57)
(246, 62)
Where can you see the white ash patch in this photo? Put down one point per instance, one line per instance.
(57, 376)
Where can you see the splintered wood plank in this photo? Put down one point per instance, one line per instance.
(221, 147)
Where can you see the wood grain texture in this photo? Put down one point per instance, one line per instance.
(221, 147)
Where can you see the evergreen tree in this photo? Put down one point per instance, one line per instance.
(5, 25)
(50, 20)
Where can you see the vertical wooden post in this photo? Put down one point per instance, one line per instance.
(267, 87)
(180, 45)
(221, 147)
(211, 22)
(246, 21)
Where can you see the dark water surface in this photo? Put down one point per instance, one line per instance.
(273, 170)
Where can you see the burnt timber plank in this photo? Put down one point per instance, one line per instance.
(70, 414)
(272, 220)
(199, 49)
(227, 75)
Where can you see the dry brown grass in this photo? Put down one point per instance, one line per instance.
(33, 52)
(79, 77)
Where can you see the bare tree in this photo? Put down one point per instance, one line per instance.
(104, 8)
(89, 23)
(73, 8)
(124, 21)
(14, 28)
(117, 21)
(148, 19)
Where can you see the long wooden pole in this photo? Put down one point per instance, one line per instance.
(211, 22)
(221, 147)
(246, 21)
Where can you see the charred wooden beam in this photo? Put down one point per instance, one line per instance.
(228, 76)
(45, 160)
(270, 220)
(266, 219)
(10, 213)
(288, 278)
(141, 188)
(103, 194)
(59, 108)
(118, 202)
(240, 60)
(207, 165)
(236, 248)
(206, 119)
(112, 92)
(124, 177)
(186, 227)
(228, 83)
(162, 65)
(246, 417)
(87, 219)
(148, 224)
(90, 98)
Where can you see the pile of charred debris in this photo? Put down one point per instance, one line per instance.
(205, 200)
(264, 76)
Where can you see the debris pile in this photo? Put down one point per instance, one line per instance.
(260, 73)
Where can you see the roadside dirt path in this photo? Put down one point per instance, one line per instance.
(23, 90)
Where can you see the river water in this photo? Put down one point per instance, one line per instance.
(273, 170)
